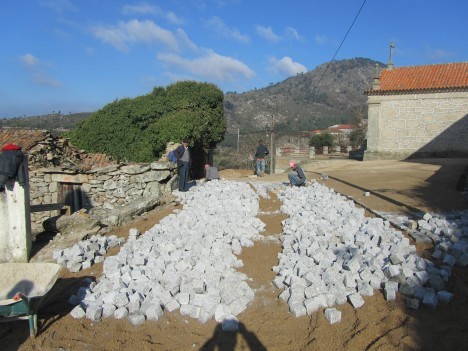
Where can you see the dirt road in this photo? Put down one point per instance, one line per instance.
(267, 324)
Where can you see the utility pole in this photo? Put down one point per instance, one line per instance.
(238, 136)
(272, 145)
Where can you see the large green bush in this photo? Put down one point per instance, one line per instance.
(138, 129)
(321, 140)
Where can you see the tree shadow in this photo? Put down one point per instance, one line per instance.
(227, 340)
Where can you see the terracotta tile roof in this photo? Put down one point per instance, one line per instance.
(344, 126)
(450, 76)
(22, 137)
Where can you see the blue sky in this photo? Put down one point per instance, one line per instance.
(79, 55)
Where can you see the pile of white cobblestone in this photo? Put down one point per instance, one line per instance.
(448, 232)
(87, 252)
(187, 262)
(333, 254)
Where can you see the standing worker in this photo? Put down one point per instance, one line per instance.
(182, 153)
(297, 176)
(260, 154)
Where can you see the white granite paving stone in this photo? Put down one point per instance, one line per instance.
(188, 260)
(121, 312)
(367, 253)
(78, 312)
(333, 315)
(86, 252)
(444, 297)
(154, 312)
(356, 300)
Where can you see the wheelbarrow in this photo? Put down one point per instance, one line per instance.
(23, 287)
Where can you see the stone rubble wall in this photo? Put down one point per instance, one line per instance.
(105, 188)
(407, 125)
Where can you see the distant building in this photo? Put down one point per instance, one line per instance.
(419, 111)
(340, 129)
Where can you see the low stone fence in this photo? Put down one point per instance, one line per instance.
(297, 152)
(107, 188)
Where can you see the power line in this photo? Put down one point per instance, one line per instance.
(339, 47)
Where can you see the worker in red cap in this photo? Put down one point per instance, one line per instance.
(296, 176)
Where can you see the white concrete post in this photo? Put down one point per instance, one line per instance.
(311, 152)
(15, 222)
(325, 150)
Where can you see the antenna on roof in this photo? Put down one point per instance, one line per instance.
(390, 62)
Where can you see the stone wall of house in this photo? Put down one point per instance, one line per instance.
(101, 188)
(417, 125)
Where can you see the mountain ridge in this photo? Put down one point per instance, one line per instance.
(332, 93)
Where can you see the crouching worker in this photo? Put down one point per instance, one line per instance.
(211, 172)
(296, 176)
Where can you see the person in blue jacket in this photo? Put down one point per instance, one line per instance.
(182, 153)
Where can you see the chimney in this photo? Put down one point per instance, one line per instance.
(390, 62)
(376, 81)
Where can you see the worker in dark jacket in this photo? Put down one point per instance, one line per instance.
(12, 165)
(182, 153)
(260, 154)
(297, 176)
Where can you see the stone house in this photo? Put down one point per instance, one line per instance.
(419, 111)
(61, 176)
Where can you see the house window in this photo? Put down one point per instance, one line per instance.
(72, 195)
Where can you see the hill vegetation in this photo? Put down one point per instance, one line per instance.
(333, 93)
(57, 123)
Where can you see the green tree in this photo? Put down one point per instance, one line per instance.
(138, 129)
(358, 134)
(321, 140)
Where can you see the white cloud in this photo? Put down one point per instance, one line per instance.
(220, 28)
(146, 9)
(320, 39)
(286, 66)
(439, 54)
(222, 3)
(29, 60)
(59, 6)
(292, 33)
(142, 9)
(173, 18)
(211, 66)
(267, 33)
(133, 32)
(41, 78)
(186, 40)
(35, 69)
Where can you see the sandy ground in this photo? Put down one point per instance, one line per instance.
(408, 187)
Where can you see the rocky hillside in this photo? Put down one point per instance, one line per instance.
(332, 93)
